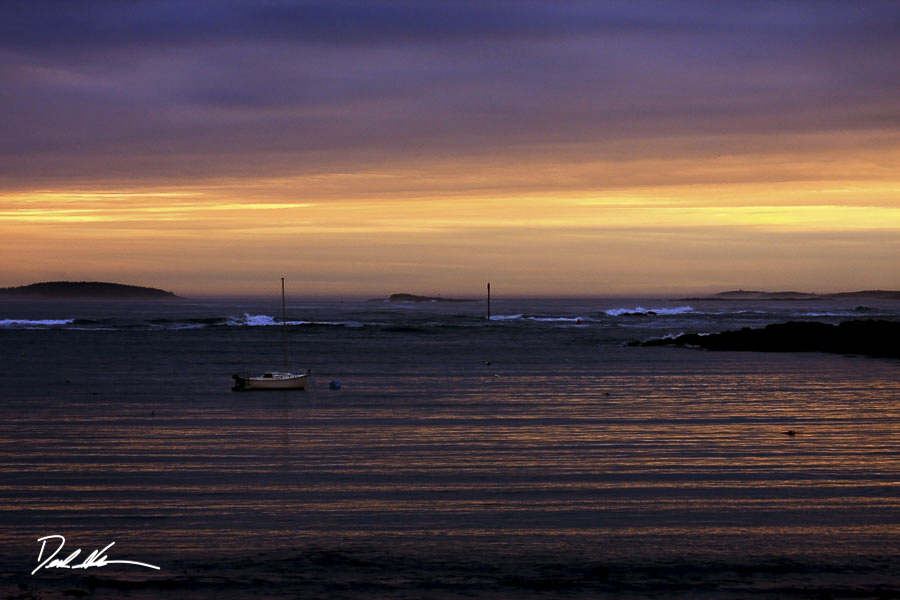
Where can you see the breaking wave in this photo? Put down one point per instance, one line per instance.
(537, 319)
(248, 320)
(22, 323)
(252, 321)
(641, 311)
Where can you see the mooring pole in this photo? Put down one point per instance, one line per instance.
(284, 326)
(489, 301)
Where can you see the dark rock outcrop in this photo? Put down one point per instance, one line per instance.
(869, 337)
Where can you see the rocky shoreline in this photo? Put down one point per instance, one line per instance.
(877, 338)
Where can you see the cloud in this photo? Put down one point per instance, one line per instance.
(92, 25)
(201, 88)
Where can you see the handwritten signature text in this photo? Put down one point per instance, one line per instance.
(97, 558)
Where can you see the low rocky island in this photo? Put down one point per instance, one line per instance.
(758, 295)
(415, 298)
(85, 290)
(865, 337)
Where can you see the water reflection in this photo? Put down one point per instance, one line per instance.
(640, 453)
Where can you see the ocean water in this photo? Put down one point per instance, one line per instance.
(534, 454)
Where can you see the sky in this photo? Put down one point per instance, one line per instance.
(430, 146)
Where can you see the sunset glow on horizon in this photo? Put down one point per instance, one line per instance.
(369, 148)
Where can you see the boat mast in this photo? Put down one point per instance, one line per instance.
(284, 326)
(489, 301)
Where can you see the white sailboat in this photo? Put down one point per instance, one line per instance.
(274, 380)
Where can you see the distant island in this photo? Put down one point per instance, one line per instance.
(756, 295)
(415, 298)
(869, 338)
(83, 290)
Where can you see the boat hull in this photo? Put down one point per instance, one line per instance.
(270, 381)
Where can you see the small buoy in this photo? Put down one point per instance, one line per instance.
(335, 385)
(790, 432)
(487, 362)
(578, 321)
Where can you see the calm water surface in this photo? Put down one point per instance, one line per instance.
(536, 442)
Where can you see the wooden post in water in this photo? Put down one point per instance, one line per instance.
(284, 326)
(489, 301)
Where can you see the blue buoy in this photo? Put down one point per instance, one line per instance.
(335, 385)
